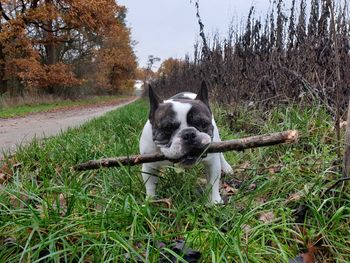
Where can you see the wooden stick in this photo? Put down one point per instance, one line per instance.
(215, 147)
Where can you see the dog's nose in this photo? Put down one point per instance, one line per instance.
(189, 136)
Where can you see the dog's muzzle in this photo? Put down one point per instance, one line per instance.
(190, 137)
(194, 144)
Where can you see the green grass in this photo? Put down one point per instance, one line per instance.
(27, 108)
(48, 213)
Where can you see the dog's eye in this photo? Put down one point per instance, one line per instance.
(170, 127)
(202, 126)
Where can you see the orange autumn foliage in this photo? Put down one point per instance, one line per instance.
(169, 65)
(115, 59)
(55, 45)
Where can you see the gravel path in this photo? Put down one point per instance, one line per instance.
(19, 131)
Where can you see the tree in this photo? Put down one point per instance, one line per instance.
(115, 60)
(50, 44)
(151, 61)
(169, 65)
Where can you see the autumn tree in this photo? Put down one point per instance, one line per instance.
(55, 45)
(115, 61)
(169, 65)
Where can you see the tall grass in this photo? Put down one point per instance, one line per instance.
(48, 213)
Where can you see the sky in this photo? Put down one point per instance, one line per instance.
(169, 28)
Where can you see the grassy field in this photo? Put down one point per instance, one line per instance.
(8, 110)
(48, 213)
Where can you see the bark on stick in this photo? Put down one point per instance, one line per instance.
(290, 136)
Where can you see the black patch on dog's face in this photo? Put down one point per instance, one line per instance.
(164, 124)
(200, 117)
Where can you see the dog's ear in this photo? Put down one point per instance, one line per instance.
(202, 94)
(154, 101)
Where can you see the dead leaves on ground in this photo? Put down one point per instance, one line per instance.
(294, 197)
(165, 202)
(307, 257)
(267, 217)
(7, 169)
(247, 166)
(228, 190)
(315, 250)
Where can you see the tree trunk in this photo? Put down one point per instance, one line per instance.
(51, 48)
(3, 81)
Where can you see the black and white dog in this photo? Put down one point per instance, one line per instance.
(177, 127)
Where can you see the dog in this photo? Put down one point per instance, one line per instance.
(177, 127)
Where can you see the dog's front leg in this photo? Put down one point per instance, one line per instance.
(150, 173)
(213, 169)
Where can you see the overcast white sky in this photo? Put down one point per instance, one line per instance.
(169, 28)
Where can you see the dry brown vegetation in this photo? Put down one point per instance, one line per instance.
(287, 56)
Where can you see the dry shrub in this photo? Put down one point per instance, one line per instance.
(280, 59)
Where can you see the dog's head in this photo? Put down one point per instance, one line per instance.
(181, 126)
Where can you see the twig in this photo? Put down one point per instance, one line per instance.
(343, 179)
(231, 145)
(313, 92)
(346, 159)
(338, 77)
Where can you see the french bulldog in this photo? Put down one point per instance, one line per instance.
(178, 128)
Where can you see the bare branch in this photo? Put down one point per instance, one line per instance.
(346, 163)
(231, 145)
(6, 17)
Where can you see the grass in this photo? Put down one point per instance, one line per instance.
(48, 213)
(22, 108)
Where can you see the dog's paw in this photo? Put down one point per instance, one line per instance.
(227, 169)
(216, 200)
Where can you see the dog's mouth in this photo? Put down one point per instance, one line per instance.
(191, 159)
(162, 144)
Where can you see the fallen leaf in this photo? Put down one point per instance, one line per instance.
(228, 189)
(261, 200)
(242, 167)
(294, 197)
(62, 204)
(202, 181)
(58, 203)
(19, 201)
(342, 125)
(3, 178)
(267, 217)
(5, 173)
(246, 228)
(274, 169)
(308, 257)
(166, 202)
(17, 165)
(252, 186)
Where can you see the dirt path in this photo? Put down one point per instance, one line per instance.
(19, 131)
